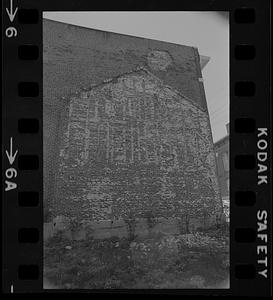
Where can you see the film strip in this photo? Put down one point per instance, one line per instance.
(250, 141)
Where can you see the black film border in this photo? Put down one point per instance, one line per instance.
(250, 108)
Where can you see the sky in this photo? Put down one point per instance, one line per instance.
(208, 31)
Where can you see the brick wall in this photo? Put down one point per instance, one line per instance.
(134, 146)
(126, 127)
(222, 160)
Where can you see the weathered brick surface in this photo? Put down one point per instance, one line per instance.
(134, 146)
(137, 144)
(76, 57)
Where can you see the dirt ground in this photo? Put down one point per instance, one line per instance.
(199, 260)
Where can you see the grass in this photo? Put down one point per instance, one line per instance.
(185, 261)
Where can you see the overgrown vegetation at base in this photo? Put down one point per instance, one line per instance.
(194, 260)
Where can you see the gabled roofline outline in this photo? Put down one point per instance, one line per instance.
(139, 68)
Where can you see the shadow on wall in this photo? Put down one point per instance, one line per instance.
(73, 230)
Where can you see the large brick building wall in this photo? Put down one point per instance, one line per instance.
(222, 160)
(126, 127)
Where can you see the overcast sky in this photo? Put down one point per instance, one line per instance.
(208, 31)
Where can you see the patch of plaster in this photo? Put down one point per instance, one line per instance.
(159, 60)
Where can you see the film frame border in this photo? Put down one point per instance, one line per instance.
(250, 105)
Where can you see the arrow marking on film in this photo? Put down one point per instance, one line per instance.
(10, 155)
(10, 12)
